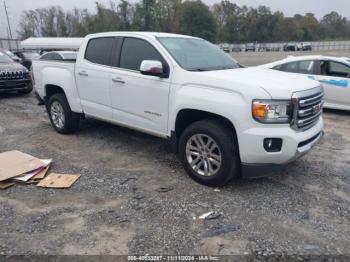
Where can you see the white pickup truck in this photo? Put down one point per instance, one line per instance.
(224, 121)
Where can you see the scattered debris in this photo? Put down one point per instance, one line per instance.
(17, 167)
(27, 176)
(6, 184)
(15, 163)
(216, 190)
(221, 229)
(127, 180)
(55, 180)
(210, 215)
(44, 171)
(164, 189)
(201, 204)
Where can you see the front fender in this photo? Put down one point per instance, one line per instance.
(226, 103)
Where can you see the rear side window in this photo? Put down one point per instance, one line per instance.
(47, 56)
(134, 51)
(51, 56)
(98, 50)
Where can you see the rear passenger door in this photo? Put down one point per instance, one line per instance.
(138, 100)
(93, 77)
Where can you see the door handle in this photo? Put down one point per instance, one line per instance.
(118, 80)
(83, 73)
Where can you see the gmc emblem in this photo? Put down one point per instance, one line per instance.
(317, 108)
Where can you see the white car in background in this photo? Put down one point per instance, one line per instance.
(332, 72)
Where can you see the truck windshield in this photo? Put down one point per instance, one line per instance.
(194, 54)
(5, 58)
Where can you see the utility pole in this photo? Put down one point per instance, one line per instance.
(8, 20)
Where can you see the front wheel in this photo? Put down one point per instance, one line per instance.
(209, 152)
(61, 116)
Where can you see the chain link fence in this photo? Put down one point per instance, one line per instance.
(10, 44)
(293, 46)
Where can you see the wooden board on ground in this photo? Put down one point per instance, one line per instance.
(55, 180)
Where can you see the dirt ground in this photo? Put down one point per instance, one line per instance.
(119, 206)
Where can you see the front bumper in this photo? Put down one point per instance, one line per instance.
(262, 170)
(15, 85)
(257, 162)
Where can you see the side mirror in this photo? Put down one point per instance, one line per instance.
(152, 68)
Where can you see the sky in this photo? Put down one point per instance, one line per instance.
(290, 7)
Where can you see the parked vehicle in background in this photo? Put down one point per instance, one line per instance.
(304, 47)
(332, 72)
(250, 47)
(11, 55)
(236, 49)
(60, 56)
(290, 47)
(27, 58)
(223, 120)
(226, 48)
(265, 48)
(13, 76)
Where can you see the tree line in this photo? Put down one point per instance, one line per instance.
(221, 22)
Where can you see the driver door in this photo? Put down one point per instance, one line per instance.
(139, 101)
(335, 77)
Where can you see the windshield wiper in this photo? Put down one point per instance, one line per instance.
(197, 70)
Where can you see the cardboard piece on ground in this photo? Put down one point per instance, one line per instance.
(43, 172)
(27, 176)
(15, 163)
(6, 184)
(55, 180)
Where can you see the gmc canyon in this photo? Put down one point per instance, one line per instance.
(223, 120)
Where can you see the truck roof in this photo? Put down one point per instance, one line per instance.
(139, 33)
(73, 43)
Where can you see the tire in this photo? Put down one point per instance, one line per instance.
(227, 148)
(61, 116)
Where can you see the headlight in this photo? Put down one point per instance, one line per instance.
(272, 111)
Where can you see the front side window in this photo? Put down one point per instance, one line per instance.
(134, 51)
(195, 54)
(337, 69)
(98, 50)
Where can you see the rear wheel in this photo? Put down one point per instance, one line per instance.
(209, 152)
(61, 116)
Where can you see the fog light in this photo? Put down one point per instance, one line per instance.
(273, 144)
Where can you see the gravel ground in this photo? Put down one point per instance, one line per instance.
(118, 207)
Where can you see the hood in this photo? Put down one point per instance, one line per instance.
(12, 67)
(279, 85)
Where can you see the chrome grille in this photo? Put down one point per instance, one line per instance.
(307, 108)
(13, 75)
